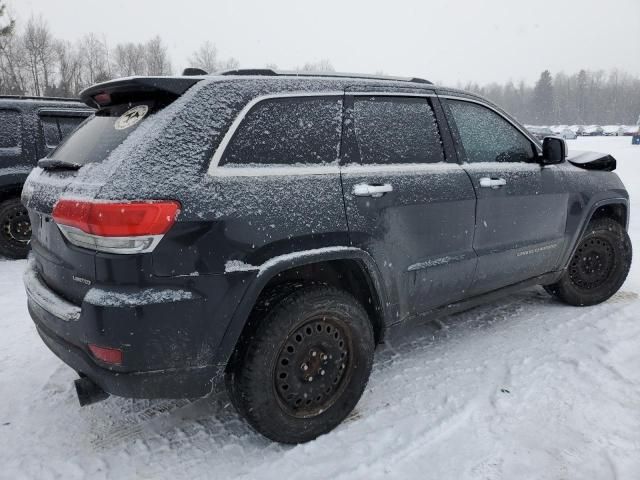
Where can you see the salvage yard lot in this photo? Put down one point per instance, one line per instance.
(523, 388)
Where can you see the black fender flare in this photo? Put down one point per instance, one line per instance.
(278, 264)
(585, 222)
(12, 179)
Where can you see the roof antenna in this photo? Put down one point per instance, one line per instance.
(192, 71)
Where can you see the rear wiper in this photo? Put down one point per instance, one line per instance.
(53, 164)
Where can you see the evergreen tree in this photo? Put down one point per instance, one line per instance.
(7, 29)
(543, 98)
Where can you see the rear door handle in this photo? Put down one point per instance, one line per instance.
(486, 182)
(366, 190)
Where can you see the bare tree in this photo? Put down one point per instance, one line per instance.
(156, 57)
(130, 59)
(93, 59)
(69, 61)
(39, 47)
(324, 65)
(206, 58)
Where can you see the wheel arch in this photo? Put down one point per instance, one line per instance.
(616, 208)
(350, 269)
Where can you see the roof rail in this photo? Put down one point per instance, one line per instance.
(34, 97)
(286, 73)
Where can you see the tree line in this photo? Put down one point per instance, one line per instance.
(584, 98)
(34, 62)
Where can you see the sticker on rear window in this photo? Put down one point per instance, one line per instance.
(131, 117)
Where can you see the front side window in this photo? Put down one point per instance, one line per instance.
(10, 130)
(396, 130)
(487, 137)
(288, 131)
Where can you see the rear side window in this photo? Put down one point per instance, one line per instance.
(96, 138)
(55, 128)
(393, 130)
(487, 137)
(10, 131)
(288, 131)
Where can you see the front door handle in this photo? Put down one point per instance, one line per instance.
(487, 182)
(366, 190)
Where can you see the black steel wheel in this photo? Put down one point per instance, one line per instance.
(303, 366)
(598, 267)
(592, 263)
(313, 367)
(15, 229)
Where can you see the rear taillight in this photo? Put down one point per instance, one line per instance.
(116, 227)
(107, 354)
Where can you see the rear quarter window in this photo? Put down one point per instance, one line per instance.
(288, 131)
(10, 131)
(56, 128)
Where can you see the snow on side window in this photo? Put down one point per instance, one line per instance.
(10, 130)
(288, 131)
(392, 130)
(487, 137)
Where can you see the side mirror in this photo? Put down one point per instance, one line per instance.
(554, 150)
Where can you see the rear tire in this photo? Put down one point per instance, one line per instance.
(598, 267)
(304, 366)
(15, 229)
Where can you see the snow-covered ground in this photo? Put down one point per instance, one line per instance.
(524, 388)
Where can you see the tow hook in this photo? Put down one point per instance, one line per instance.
(88, 391)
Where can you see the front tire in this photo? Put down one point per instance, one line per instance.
(598, 267)
(15, 229)
(304, 366)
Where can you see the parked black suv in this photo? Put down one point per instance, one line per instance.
(29, 129)
(271, 229)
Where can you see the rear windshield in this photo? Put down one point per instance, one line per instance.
(98, 136)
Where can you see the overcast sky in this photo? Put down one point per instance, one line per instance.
(449, 41)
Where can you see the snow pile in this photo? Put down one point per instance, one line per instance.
(523, 388)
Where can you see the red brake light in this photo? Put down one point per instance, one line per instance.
(121, 219)
(106, 354)
(102, 99)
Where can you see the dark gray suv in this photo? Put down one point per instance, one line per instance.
(30, 127)
(271, 229)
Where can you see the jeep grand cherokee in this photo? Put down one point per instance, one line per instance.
(271, 229)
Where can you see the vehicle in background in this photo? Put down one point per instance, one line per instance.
(577, 129)
(270, 229)
(631, 130)
(592, 131)
(567, 134)
(540, 132)
(30, 128)
(613, 130)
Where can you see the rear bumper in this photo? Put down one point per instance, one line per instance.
(176, 383)
(168, 337)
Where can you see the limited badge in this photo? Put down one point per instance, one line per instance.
(132, 116)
